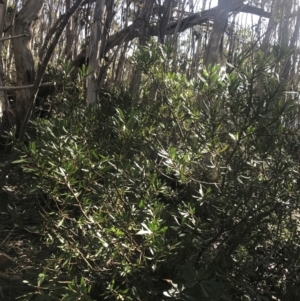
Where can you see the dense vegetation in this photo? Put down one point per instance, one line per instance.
(195, 194)
(186, 187)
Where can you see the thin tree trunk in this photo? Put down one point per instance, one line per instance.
(175, 37)
(145, 17)
(231, 44)
(164, 18)
(109, 14)
(76, 31)
(69, 34)
(286, 9)
(271, 26)
(94, 52)
(220, 21)
(286, 69)
(197, 56)
(3, 96)
(180, 17)
(120, 68)
(9, 22)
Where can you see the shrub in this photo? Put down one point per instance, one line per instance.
(191, 195)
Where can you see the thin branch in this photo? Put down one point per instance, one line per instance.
(14, 37)
(15, 88)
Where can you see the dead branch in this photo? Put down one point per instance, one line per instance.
(14, 37)
(15, 88)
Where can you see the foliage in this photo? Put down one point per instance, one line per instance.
(187, 194)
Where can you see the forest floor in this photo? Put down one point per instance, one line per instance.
(20, 244)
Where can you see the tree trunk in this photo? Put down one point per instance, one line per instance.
(145, 18)
(24, 22)
(3, 95)
(220, 21)
(164, 19)
(120, 68)
(69, 34)
(286, 69)
(271, 25)
(94, 53)
(109, 15)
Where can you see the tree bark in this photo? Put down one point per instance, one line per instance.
(286, 69)
(94, 53)
(164, 18)
(45, 58)
(143, 35)
(271, 25)
(69, 34)
(3, 97)
(24, 22)
(120, 68)
(213, 48)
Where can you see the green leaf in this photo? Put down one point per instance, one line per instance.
(41, 278)
(60, 222)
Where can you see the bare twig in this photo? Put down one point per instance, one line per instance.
(14, 37)
(15, 88)
(7, 237)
